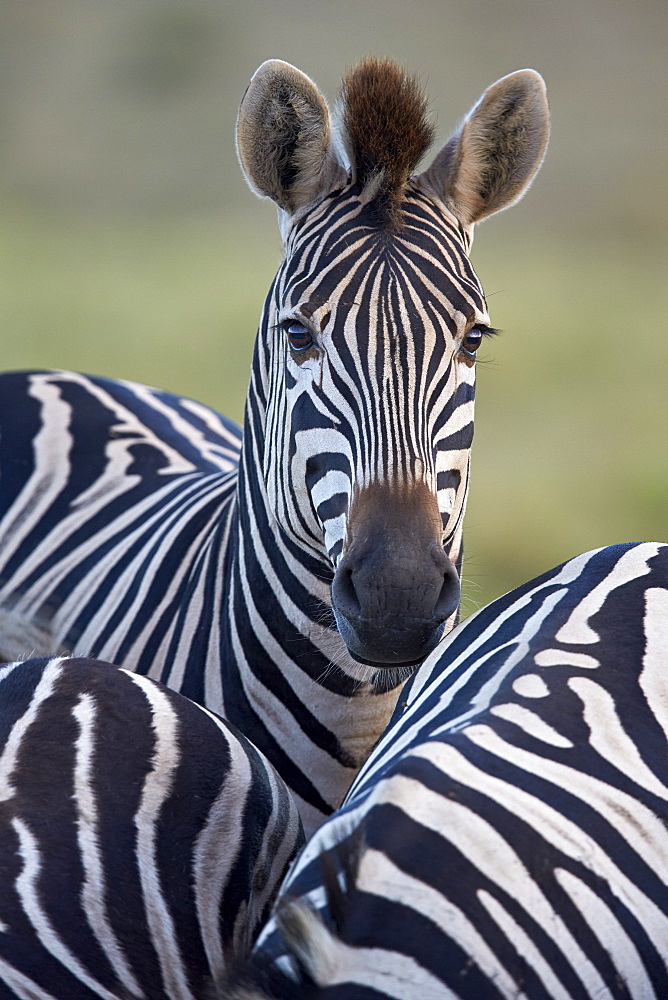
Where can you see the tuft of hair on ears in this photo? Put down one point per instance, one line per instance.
(284, 140)
(385, 128)
(490, 162)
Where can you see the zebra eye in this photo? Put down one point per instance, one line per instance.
(299, 336)
(472, 340)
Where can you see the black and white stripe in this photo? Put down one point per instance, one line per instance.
(142, 839)
(508, 837)
(136, 527)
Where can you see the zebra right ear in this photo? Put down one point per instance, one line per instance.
(489, 163)
(284, 138)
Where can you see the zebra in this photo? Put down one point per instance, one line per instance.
(508, 837)
(142, 838)
(290, 580)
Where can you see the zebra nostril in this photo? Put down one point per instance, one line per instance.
(450, 592)
(391, 609)
(344, 594)
(448, 599)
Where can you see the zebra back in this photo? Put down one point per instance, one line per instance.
(142, 840)
(111, 492)
(509, 835)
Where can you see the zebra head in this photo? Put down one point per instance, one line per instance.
(363, 381)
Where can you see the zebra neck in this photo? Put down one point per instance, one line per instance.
(288, 680)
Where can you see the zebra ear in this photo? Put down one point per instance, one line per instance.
(491, 160)
(284, 139)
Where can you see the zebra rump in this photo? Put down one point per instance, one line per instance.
(142, 839)
(509, 835)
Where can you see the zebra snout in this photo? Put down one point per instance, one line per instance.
(391, 605)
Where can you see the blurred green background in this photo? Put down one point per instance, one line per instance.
(130, 245)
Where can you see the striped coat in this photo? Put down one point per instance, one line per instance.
(142, 840)
(293, 581)
(508, 837)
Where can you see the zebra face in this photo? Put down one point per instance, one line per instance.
(365, 362)
(369, 350)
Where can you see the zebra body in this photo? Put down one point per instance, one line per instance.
(142, 839)
(508, 837)
(291, 582)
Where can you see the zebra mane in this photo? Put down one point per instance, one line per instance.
(385, 127)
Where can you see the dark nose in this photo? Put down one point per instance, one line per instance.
(395, 587)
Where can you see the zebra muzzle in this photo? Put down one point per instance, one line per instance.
(394, 587)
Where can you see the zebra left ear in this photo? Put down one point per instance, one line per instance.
(284, 140)
(492, 159)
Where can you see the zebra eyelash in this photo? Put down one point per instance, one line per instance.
(283, 326)
(473, 357)
(306, 338)
(469, 353)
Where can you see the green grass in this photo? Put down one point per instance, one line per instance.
(166, 303)
(571, 413)
(570, 449)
